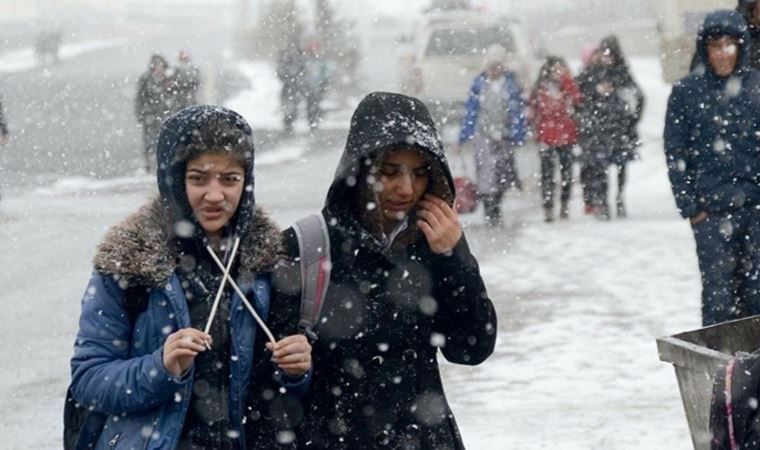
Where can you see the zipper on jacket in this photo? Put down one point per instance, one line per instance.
(114, 440)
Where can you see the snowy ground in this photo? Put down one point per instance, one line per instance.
(580, 302)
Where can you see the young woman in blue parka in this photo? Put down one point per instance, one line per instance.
(711, 144)
(162, 382)
(495, 120)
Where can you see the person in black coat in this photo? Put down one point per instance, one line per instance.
(404, 286)
(750, 10)
(3, 127)
(608, 116)
(711, 144)
(153, 104)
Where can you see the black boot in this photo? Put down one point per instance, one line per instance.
(621, 213)
(564, 210)
(602, 212)
(492, 210)
(548, 214)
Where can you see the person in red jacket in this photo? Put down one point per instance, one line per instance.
(552, 101)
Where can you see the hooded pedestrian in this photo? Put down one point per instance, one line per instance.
(186, 81)
(495, 121)
(291, 69)
(404, 287)
(552, 102)
(3, 127)
(153, 104)
(153, 377)
(711, 144)
(750, 10)
(608, 118)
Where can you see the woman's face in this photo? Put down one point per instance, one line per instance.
(403, 179)
(214, 184)
(556, 72)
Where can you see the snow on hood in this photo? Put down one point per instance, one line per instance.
(729, 23)
(176, 131)
(381, 122)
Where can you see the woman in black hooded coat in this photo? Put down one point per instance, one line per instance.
(608, 117)
(399, 291)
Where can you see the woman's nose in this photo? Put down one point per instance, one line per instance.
(406, 184)
(214, 193)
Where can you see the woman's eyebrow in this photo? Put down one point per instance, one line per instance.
(226, 172)
(421, 166)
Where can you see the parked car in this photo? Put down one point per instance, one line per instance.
(448, 52)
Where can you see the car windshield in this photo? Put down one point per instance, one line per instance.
(468, 41)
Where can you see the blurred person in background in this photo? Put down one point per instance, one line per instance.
(290, 70)
(552, 104)
(589, 57)
(187, 81)
(316, 80)
(608, 118)
(711, 147)
(750, 10)
(153, 103)
(496, 122)
(3, 126)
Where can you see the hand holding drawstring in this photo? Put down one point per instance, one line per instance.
(292, 355)
(181, 348)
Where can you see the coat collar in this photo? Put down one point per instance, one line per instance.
(138, 249)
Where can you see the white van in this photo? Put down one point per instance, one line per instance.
(448, 53)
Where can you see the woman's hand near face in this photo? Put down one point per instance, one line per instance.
(440, 224)
(292, 355)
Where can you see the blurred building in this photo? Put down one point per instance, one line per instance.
(677, 24)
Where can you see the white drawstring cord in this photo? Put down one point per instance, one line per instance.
(238, 290)
(221, 285)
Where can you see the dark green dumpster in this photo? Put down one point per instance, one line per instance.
(696, 356)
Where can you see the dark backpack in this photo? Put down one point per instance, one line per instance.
(81, 426)
(734, 419)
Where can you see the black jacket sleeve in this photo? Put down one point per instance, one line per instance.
(3, 123)
(465, 315)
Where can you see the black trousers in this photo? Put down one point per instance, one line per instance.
(549, 157)
(596, 183)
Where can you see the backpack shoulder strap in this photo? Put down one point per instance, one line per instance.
(316, 265)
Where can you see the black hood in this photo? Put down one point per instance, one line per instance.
(176, 132)
(724, 23)
(385, 121)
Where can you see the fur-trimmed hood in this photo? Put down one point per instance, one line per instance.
(140, 252)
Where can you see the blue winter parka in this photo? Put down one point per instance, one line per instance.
(712, 128)
(515, 120)
(117, 368)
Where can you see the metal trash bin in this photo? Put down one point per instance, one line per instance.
(697, 355)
